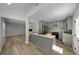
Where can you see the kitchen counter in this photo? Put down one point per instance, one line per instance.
(46, 36)
(43, 42)
(68, 32)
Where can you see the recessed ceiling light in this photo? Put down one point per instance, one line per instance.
(9, 3)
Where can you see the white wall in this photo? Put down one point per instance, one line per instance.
(33, 23)
(2, 32)
(15, 29)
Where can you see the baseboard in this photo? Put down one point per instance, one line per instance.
(15, 35)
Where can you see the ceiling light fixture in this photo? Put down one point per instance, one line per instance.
(9, 3)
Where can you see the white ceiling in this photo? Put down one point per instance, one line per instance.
(54, 12)
(16, 11)
(44, 11)
(8, 20)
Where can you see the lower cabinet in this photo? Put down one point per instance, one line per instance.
(67, 39)
(76, 45)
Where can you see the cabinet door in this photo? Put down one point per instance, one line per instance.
(77, 49)
(76, 36)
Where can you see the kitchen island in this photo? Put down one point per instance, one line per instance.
(43, 42)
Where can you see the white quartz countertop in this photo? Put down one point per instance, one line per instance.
(46, 36)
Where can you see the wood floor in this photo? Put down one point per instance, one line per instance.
(67, 50)
(15, 45)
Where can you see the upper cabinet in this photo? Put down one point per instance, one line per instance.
(57, 26)
(69, 23)
(43, 27)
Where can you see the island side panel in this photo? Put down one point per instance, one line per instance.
(45, 44)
